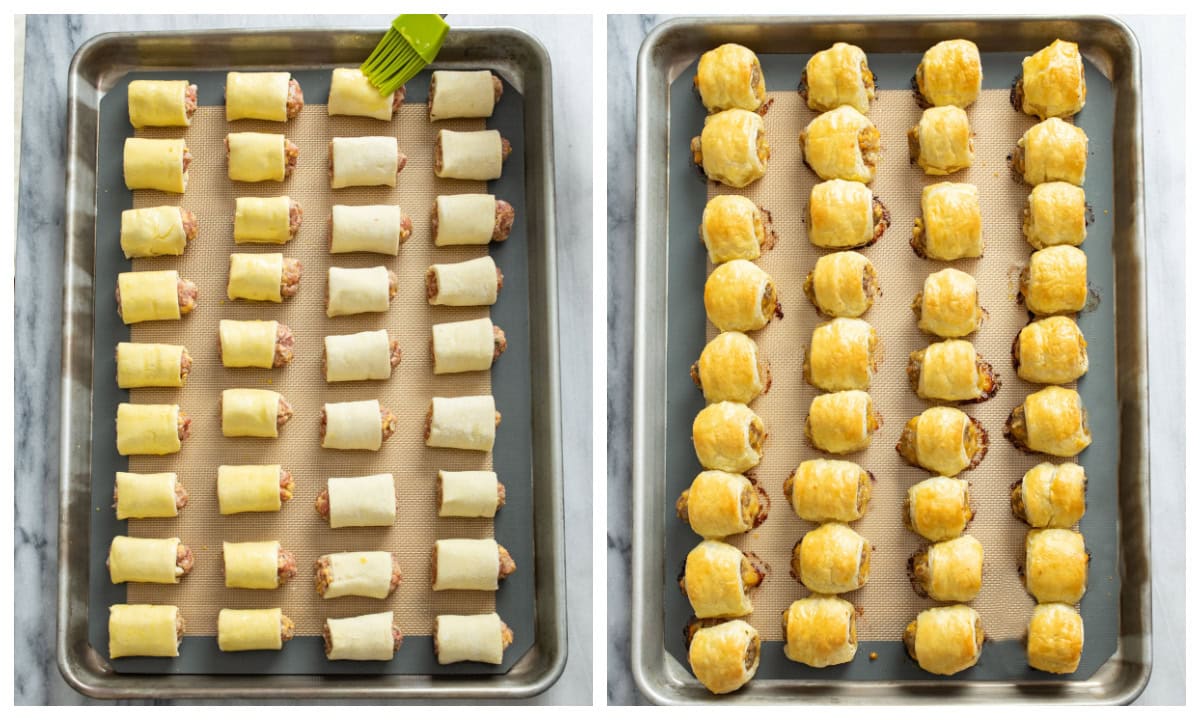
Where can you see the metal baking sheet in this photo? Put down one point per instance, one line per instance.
(1002, 661)
(523, 116)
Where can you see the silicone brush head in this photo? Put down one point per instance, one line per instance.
(411, 43)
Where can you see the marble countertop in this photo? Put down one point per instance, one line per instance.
(51, 41)
(1162, 45)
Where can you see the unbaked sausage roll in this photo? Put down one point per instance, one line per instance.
(938, 509)
(470, 219)
(845, 214)
(161, 103)
(1052, 151)
(716, 578)
(350, 291)
(155, 231)
(241, 630)
(144, 630)
(463, 94)
(740, 295)
(732, 148)
(842, 284)
(951, 370)
(476, 155)
(253, 488)
(725, 656)
(949, 571)
(1052, 420)
(1055, 281)
(719, 504)
(842, 422)
(260, 157)
(730, 368)
(470, 638)
(368, 228)
(844, 355)
(151, 429)
(820, 631)
(1051, 83)
(142, 365)
(268, 277)
(367, 501)
(148, 560)
(251, 412)
(148, 495)
(464, 564)
(364, 161)
(828, 490)
(1056, 565)
(364, 637)
(1056, 213)
(728, 436)
(1055, 638)
(358, 425)
(257, 565)
(272, 96)
(945, 640)
(950, 73)
(469, 493)
(950, 226)
(733, 228)
(730, 76)
(156, 164)
(368, 355)
(832, 559)
(351, 93)
(836, 77)
(462, 423)
(1050, 495)
(841, 143)
(948, 304)
(372, 574)
(466, 346)
(154, 295)
(270, 220)
(941, 143)
(472, 282)
(1050, 351)
(943, 440)
(255, 343)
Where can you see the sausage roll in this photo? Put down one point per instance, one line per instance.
(948, 304)
(949, 571)
(820, 631)
(1055, 639)
(938, 509)
(843, 144)
(950, 73)
(845, 214)
(472, 282)
(941, 142)
(367, 501)
(371, 574)
(950, 226)
(730, 369)
(154, 295)
(471, 219)
(951, 370)
(251, 412)
(368, 228)
(844, 355)
(730, 76)
(470, 638)
(832, 559)
(151, 429)
(464, 564)
(161, 103)
(358, 425)
(466, 346)
(241, 630)
(262, 96)
(270, 220)
(463, 423)
(842, 422)
(836, 77)
(945, 640)
(463, 94)
(740, 295)
(1051, 495)
(156, 164)
(1055, 281)
(1052, 151)
(364, 161)
(719, 504)
(732, 228)
(1055, 214)
(267, 277)
(728, 436)
(1050, 351)
(476, 155)
(155, 231)
(842, 284)
(828, 490)
(144, 630)
(1056, 565)
(364, 637)
(725, 656)
(351, 291)
(943, 440)
(252, 488)
(257, 565)
(142, 365)
(254, 343)
(148, 560)
(732, 148)
(351, 93)
(1052, 420)
(368, 355)
(1052, 82)
(716, 579)
(469, 493)
(260, 157)
(148, 495)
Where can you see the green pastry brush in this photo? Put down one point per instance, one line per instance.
(411, 43)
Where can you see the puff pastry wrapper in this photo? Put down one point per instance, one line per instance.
(733, 147)
(476, 155)
(832, 559)
(359, 574)
(241, 630)
(262, 220)
(461, 94)
(718, 655)
(842, 355)
(1051, 495)
(468, 493)
(250, 412)
(364, 161)
(257, 157)
(841, 214)
(948, 305)
(364, 637)
(463, 346)
(730, 76)
(825, 490)
(839, 76)
(943, 440)
(155, 164)
(468, 283)
(255, 277)
(248, 343)
(841, 143)
(951, 370)
(938, 508)
(1056, 281)
(820, 631)
(1056, 565)
(463, 423)
(729, 369)
(252, 565)
(466, 219)
(843, 284)
(1055, 214)
(714, 582)
(740, 296)
(144, 560)
(146, 495)
(950, 73)
(151, 232)
(469, 638)
(943, 140)
(1052, 81)
(147, 429)
(1055, 638)
(158, 103)
(950, 571)
(1052, 350)
(361, 356)
(1055, 422)
(149, 295)
(728, 436)
(1054, 151)
(841, 422)
(720, 504)
(945, 640)
(256, 96)
(355, 425)
(149, 365)
(465, 564)
(351, 93)
(143, 630)
(732, 229)
(950, 226)
(248, 488)
(365, 501)
(358, 290)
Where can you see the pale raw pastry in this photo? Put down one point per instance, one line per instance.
(844, 214)
(255, 277)
(464, 564)
(463, 423)
(719, 504)
(252, 565)
(356, 425)
(1056, 565)
(716, 579)
(474, 155)
(1052, 81)
(152, 365)
(945, 640)
(257, 96)
(472, 282)
(1051, 351)
(1055, 281)
(948, 304)
(361, 356)
(1055, 638)
(271, 220)
(730, 76)
(732, 228)
(843, 144)
(467, 219)
(470, 638)
(820, 631)
(950, 73)
(358, 290)
(150, 429)
(364, 161)
(257, 157)
(368, 228)
(842, 284)
(938, 509)
(841, 422)
(465, 346)
(836, 77)
(146, 560)
(156, 164)
(1052, 151)
(144, 630)
(943, 440)
(832, 559)
(251, 488)
(161, 103)
(730, 368)
(242, 630)
(949, 571)
(950, 226)
(149, 295)
(739, 295)
(724, 657)
(1052, 420)
(148, 495)
(462, 94)
(359, 574)
(844, 355)
(1055, 214)
(1050, 495)
(366, 501)
(824, 490)
(469, 493)
(351, 93)
(248, 343)
(732, 148)
(951, 370)
(364, 637)
(941, 143)
(156, 231)
(252, 412)
(728, 436)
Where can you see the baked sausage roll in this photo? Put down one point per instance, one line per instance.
(832, 559)
(828, 490)
(1050, 351)
(1055, 281)
(732, 148)
(156, 164)
(271, 96)
(731, 369)
(1055, 214)
(724, 657)
(464, 564)
(469, 493)
(948, 304)
(351, 93)
(144, 630)
(732, 228)
(161, 103)
(462, 423)
(1052, 82)
(151, 429)
(477, 155)
(841, 422)
(719, 504)
(268, 277)
(252, 488)
(1050, 495)
(1055, 638)
(941, 142)
(938, 509)
(367, 501)
(470, 638)
(730, 76)
(356, 425)
(1052, 420)
(370, 574)
(254, 343)
(843, 144)
(463, 94)
(464, 284)
(351, 291)
(241, 630)
(260, 157)
(950, 73)
(250, 412)
(364, 637)
(842, 284)
(951, 370)
(820, 631)
(471, 219)
(364, 161)
(156, 231)
(148, 495)
(716, 579)
(836, 77)
(1052, 151)
(1056, 565)
(148, 560)
(154, 295)
(152, 365)
(728, 436)
(943, 440)
(466, 346)
(740, 295)
(844, 355)
(368, 355)
(945, 640)
(257, 565)
(949, 571)
(950, 226)
(845, 214)
(269, 220)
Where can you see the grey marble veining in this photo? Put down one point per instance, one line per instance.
(50, 42)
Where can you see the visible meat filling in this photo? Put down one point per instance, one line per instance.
(393, 284)
(907, 445)
(429, 420)
(864, 564)
(283, 413)
(295, 99)
(285, 343)
(322, 504)
(988, 383)
(918, 572)
(505, 149)
(508, 566)
(187, 159)
(397, 638)
(291, 156)
(323, 573)
(500, 495)
(188, 295)
(914, 145)
(883, 219)
(868, 145)
(295, 217)
(190, 101)
(286, 566)
(183, 425)
(910, 639)
(184, 560)
(755, 506)
(387, 423)
(505, 216)
(289, 281)
(1017, 500)
(1017, 162)
(406, 227)
(286, 485)
(681, 505)
(918, 79)
(398, 98)
(975, 442)
(287, 628)
(191, 227)
(1016, 96)
(499, 342)
(394, 353)
(770, 301)
(185, 365)
(762, 148)
(180, 627)
(917, 241)
(757, 435)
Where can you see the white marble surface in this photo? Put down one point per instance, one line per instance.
(1162, 44)
(54, 39)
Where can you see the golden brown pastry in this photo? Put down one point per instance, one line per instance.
(844, 355)
(948, 304)
(1056, 565)
(950, 571)
(841, 143)
(836, 77)
(938, 509)
(1051, 83)
(716, 579)
(828, 490)
(740, 295)
(832, 559)
(1050, 351)
(728, 436)
(842, 422)
(950, 226)
(1055, 640)
(943, 440)
(730, 76)
(1050, 495)
(732, 149)
(820, 631)
(845, 214)
(724, 657)
(950, 73)
(945, 640)
(951, 370)
(1055, 281)
(941, 142)
(1055, 214)
(1052, 151)
(842, 284)
(1052, 420)
(731, 368)
(732, 228)
(720, 504)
